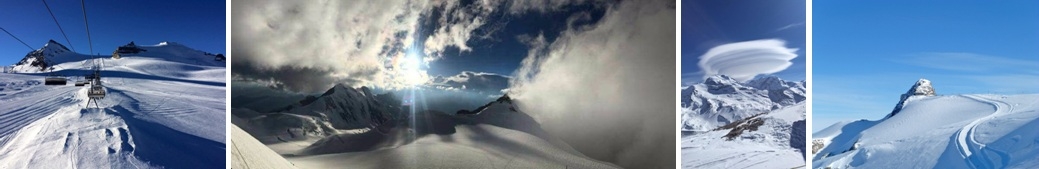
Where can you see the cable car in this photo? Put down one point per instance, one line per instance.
(55, 80)
(96, 92)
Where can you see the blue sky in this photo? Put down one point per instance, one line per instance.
(502, 51)
(199, 24)
(865, 54)
(706, 24)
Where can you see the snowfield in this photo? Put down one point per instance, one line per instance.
(164, 108)
(944, 131)
(497, 135)
(247, 152)
(768, 146)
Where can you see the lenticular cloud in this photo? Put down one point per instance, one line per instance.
(744, 60)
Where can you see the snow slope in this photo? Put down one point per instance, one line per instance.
(950, 131)
(773, 143)
(159, 112)
(247, 152)
(496, 135)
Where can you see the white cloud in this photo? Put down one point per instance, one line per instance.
(608, 88)
(457, 25)
(349, 42)
(969, 62)
(744, 60)
(799, 24)
(1008, 83)
(971, 72)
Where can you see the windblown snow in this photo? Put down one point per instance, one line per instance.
(938, 131)
(164, 108)
(757, 124)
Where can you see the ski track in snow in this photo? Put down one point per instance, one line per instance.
(64, 136)
(16, 118)
(972, 150)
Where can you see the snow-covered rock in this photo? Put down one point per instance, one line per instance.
(922, 88)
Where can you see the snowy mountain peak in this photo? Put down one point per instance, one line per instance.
(40, 59)
(720, 80)
(922, 87)
(348, 108)
(363, 90)
(165, 43)
(770, 82)
(54, 46)
(337, 86)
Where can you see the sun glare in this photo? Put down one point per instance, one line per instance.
(411, 67)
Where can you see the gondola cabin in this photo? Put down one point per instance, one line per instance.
(96, 92)
(54, 80)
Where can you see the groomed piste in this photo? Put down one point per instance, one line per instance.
(164, 108)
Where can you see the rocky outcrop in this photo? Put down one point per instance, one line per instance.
(921, 88)
(797, 136)
(817, 145)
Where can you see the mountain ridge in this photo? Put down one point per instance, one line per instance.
(720, 100)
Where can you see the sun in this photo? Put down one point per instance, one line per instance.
(411, 67)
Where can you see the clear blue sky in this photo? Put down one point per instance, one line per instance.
(867, 53)
(195, 23)
(706, 24)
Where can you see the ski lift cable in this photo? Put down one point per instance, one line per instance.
(16, 38)
(59, 25)
(86, 23)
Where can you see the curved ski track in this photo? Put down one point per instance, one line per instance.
(970, 149)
